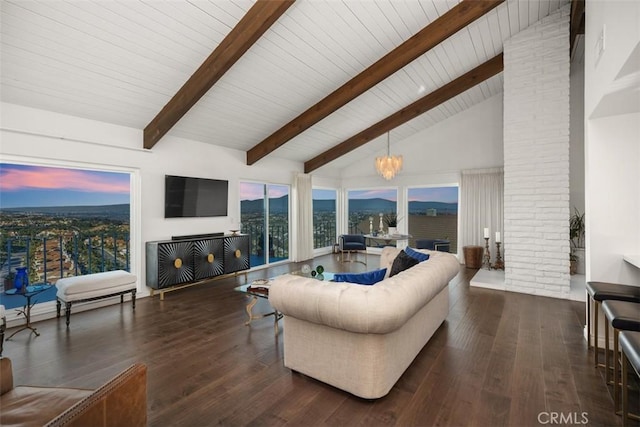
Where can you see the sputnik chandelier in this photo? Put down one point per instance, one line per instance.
(388, 166)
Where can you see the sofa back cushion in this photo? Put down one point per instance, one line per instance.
(401, 263)
(366, 278)
(377, 309)
(420, 256)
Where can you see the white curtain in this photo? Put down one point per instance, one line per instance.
(304, 218)
(481, 206)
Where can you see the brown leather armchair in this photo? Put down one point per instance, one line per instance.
(121, 401)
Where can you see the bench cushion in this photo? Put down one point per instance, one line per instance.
(92, 285)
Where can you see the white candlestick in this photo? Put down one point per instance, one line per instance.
(486, 233)
(497, 236)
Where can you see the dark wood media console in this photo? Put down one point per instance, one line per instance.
(175, 264)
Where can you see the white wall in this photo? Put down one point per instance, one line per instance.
(31, 135)
(536, 153)
(576, 138)
(612, 134)
(471, 139)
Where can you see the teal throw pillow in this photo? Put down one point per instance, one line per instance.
(416, 254)
(367, 278)
(401, 263)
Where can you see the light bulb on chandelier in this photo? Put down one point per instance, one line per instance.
(388, 166)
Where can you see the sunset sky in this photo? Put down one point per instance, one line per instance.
(35, 186)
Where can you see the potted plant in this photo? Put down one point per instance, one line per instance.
(391, 221)
(576, 234)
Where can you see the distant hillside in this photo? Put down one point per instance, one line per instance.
(278, 205)
(323, 205)
(377, 205)
(420, 208)
(112, 212)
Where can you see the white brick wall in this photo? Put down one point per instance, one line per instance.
(536, 158)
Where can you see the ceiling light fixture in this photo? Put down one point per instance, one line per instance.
(388, 166)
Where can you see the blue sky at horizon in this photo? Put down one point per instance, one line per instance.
(422, 194)
(45, 186)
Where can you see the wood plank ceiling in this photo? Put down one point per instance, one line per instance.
(121, 62)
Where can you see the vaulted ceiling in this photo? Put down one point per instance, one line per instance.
(123, 62)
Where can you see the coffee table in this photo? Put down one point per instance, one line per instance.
(258, 292)
(260, 289)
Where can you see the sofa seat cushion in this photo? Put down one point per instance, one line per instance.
(96, 284)
(35, 406)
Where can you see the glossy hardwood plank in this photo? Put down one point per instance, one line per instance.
(500, 358)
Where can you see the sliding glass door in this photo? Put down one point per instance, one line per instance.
(324, 218)
(264, 214)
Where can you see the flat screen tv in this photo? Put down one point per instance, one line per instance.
(195, 197)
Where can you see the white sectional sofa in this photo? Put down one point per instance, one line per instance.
(362, 338)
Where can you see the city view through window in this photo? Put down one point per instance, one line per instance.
(324, 217)
(59, 222)
(432, 212)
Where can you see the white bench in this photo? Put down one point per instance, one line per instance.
(91, 287)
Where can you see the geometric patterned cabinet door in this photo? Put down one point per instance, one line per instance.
(175, 263)
(236, 253)
(208, 258)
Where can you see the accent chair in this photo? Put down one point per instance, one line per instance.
(352, 243)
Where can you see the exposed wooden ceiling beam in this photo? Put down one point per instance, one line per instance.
(430, 36)
(248, 30)
(421, 106)
(577, 21)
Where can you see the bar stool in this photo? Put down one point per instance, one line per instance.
(630, 346)
(622, 316)
(602, 291)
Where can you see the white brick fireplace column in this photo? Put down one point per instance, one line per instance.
(536, 158)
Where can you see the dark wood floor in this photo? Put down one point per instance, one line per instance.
(499, 359)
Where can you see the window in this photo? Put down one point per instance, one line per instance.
(433, 214)
(60, 222)
(265, 207)
(366, 208)
(324, 218)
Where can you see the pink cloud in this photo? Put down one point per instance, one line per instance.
(58, 178)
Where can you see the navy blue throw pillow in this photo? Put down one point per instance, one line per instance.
(401, 263)
(416, 254)
(367, 278)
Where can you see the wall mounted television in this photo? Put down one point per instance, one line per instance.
(195, 197)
